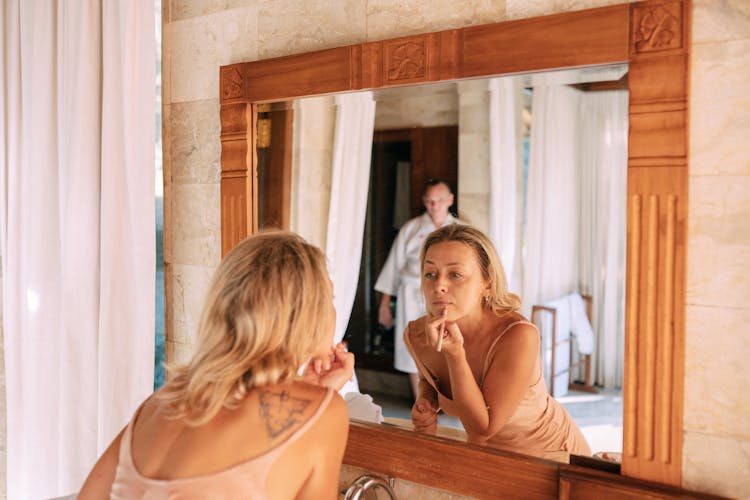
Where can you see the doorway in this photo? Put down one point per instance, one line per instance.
(403, 160)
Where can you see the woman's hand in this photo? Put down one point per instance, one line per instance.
(424, 416)
(443, 335)
(332, 370)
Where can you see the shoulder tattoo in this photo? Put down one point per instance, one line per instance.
(280, 411)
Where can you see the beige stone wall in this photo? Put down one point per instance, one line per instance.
(418, 106)
(474, 153)
(717, 401)
(199, 36)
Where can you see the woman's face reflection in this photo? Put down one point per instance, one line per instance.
(452, 280)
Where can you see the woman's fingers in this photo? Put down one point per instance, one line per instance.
(424, 406)
(435, 329)
(441, 330)
(424, 416)
(346, 360)
(335, 368)
(453, 336)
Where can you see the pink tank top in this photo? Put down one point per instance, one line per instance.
(244, 480)
(540, 425)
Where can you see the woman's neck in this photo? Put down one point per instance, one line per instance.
(477, 325)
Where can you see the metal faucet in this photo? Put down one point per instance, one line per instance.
(366, 482)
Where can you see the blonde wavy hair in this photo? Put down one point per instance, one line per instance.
(268, 309)
(500, 300)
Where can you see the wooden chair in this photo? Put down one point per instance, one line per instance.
(584, 360)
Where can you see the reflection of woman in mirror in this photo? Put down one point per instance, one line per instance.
(235, 421)
(478, 358)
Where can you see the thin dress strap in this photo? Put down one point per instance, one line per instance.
(487, 358)
(304, 427)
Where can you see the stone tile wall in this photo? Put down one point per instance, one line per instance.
(716, 454)
(474, 151)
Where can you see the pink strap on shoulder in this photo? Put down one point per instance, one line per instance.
(487, 358)
(310, 421)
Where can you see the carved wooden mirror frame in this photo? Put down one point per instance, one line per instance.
(653, 38)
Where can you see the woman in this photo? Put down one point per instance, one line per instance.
(236, 421)
(478, 358)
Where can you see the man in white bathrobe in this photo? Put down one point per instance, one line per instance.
(400, 275)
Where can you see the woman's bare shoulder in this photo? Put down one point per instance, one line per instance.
(334, 416)
(511, 325)
(517, 333)
(336, 412)
(512, 320)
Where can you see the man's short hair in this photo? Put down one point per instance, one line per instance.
(435, 182)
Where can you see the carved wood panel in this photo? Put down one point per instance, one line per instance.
(239, 186)
(405, 61)
(657, 26)
(657, 233)
(232, 83)
(657, 212)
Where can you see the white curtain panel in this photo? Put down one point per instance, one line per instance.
(550, 264)
(506, 105)
(350, 179)
(603, 153)
(77, 229)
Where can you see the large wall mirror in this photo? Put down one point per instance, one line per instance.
(544, 153)
(277, 116)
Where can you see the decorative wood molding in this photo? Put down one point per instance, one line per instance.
(653, 37)
(232, 82)
(657, 27)
(239, 189)
(657, 234)
(405, 61)
(654, 350)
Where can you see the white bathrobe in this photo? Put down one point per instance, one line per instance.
(400, 277)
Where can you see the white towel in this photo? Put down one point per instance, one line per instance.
(580, 326)
(361, 407)
(572, 318)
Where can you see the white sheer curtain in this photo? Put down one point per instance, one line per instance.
(77, 229)
(350, 182)
(603, 161)
(551, 234)
(506, 104)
